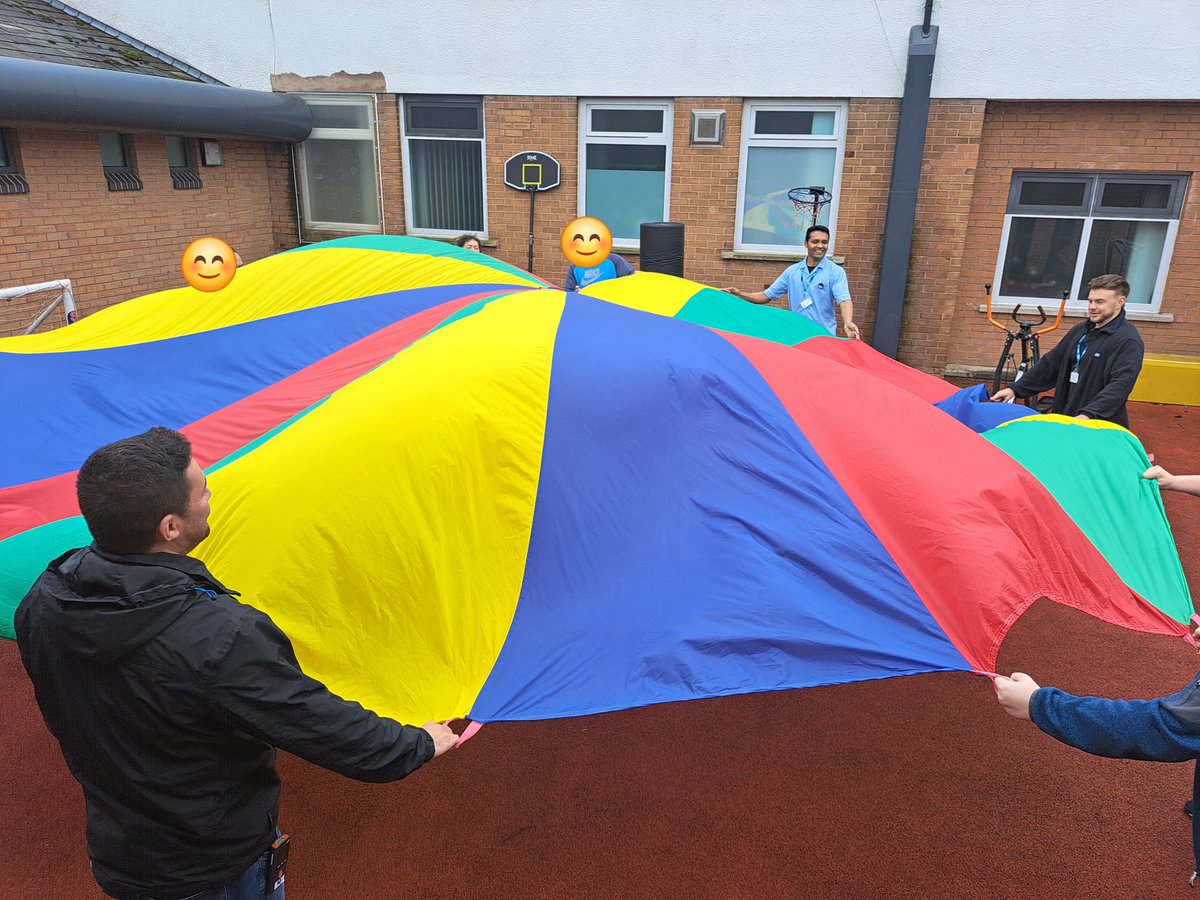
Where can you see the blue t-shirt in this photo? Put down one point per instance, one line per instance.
(613, 267)
(815, 294)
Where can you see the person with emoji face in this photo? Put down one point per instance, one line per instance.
(816, 287)
(587, 244)
(209, 264)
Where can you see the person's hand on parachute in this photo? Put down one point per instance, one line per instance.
(1161, 475)
(1015, 693)
(443, 736)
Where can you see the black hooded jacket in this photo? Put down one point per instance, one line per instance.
(169, 698)
(1109, 361)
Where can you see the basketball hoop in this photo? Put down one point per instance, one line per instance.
(808, 203)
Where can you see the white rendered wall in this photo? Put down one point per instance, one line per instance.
(992, 49)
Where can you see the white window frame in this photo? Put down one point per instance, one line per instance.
(405, 137)
(1091, 202)
(588, 136)
(357, 134)
(837, 141)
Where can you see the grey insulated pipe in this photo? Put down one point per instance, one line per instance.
(53, 95)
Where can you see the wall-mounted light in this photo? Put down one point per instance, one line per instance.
(210, 152)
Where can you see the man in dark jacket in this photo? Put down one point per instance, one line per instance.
(169, 697)
(1094, 368)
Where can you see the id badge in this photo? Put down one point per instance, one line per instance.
(277, 863)
(806, 303)
(1075, 376)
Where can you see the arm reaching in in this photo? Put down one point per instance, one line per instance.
(1015, 693)
(752, 296)
(1188, 484)
(1004, 395)
(847, 307)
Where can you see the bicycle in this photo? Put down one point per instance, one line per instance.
(1008, 371)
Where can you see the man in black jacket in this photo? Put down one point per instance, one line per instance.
(1094, 368)
(169, 697)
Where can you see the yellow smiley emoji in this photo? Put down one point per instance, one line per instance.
(586, 242)
(208, 264)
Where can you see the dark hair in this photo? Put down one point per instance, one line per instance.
(812, 228)
(1110, 283)
(126, 487)
(461, 240)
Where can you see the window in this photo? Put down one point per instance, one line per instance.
(785, 146)
(181, 158)
(443, 166)
(1062, 230)
(337, 166)
(11, 179)
(116, 155)
(625, 177)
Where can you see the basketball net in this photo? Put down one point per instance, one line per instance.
(808, 203)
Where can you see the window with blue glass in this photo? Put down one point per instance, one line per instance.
(625, 175)
(786, 146)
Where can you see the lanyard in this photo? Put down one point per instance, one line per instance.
(806, 276)
(1080, 349)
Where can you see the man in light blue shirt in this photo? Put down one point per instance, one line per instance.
(816, 287)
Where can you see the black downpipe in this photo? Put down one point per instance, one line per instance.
(902, 195)
(53, 95)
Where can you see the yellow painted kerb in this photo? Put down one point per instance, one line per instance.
(1168, 378)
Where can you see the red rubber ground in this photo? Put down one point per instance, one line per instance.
(913, 787)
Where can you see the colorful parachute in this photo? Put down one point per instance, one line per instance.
(463, 492)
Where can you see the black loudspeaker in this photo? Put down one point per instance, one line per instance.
(662, 248)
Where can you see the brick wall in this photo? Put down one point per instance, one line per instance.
(548, 124)
(704, 182)
(281, 184)
(387, 125)
(1087, 137)
(114, 245)
(948, 179)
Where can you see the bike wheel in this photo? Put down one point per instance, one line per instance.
(1006, 371)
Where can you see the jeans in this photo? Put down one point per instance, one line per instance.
(250, 885)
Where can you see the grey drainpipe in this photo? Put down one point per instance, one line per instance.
(52, 95)
(906, 179)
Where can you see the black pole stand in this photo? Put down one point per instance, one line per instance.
(532, 193)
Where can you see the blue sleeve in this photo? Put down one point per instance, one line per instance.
(1162, 730)
(569, 284)
(839, 286)
(623, 268)
(779, 286)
